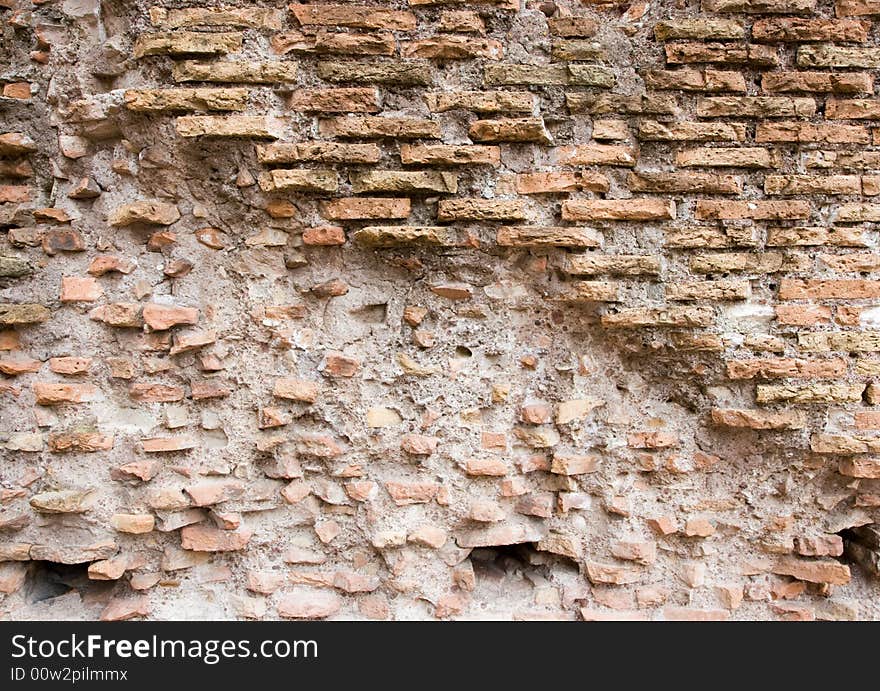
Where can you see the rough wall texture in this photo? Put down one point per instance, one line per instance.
(439, 309)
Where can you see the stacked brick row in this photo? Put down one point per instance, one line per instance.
(328, 310)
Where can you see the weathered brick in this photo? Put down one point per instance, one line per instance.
(684, 53)
(574, 464)
(298, 180)
(167, 444)
(618, 210)
(759, 6)
(838, 56)
(776, 368)
(362, 208)
(160, 317)
(652, 440)
(856, 8)
(547, 236)
(758, 210)
(48, 393)
(155, 393)
(820, 82)
(326, 236)
(572, 27)
(842, 289)
(817, 571)
(866, 468)
(814, 235)
(578, 50)
(856, 160)
(746, 157)
(689, 79)
(404, 493)
(380, 43)
(755, 106)
(809, 393)
(802, 315)
(405, 73)
(864, 109)
(239, 126)
(548, 75)
(810, 184)
(610, 574)
(510, 130)
(590, 291)
(344, 100)
(186, 43)
(810, 132)
(736, 261)
(14, 194)
(499, 534)
(447, 155)
(610, 129)
(797, 29)
(721, 289)
(596, 154)
(395, 236)
(202, 538)
(637, 317)
(146, 211)
(250, 17)
(376, 127)
(16, 144)
(560, 182)
(82, 442)
(453, 48)
(855, 263)
(235, 71)
(481, 101)
(857, 211)
(164, 100)
(846, 341)
(294, 389)
(758, 419)
(322, 152)
(356, 16)
(406, 181)
(651, 130)
(844, 443)
(480, 210)
(80, 289)
(462, 21)
(701, 28)
(618, 264)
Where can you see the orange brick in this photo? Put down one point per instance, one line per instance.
(324, 235)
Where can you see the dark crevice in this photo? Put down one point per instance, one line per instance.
(861, 548)
(49, 579)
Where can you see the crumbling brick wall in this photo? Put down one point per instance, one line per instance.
(434, 309)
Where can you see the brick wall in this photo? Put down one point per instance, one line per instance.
(439, 309)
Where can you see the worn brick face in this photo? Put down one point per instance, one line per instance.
(401, 310)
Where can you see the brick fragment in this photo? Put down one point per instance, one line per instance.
(342, 100)
(231, 72)
(186, 43)
(758, 419)
(618, 210)
(356, 16)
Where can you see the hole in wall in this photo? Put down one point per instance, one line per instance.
(861, 548)
(49, 579)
